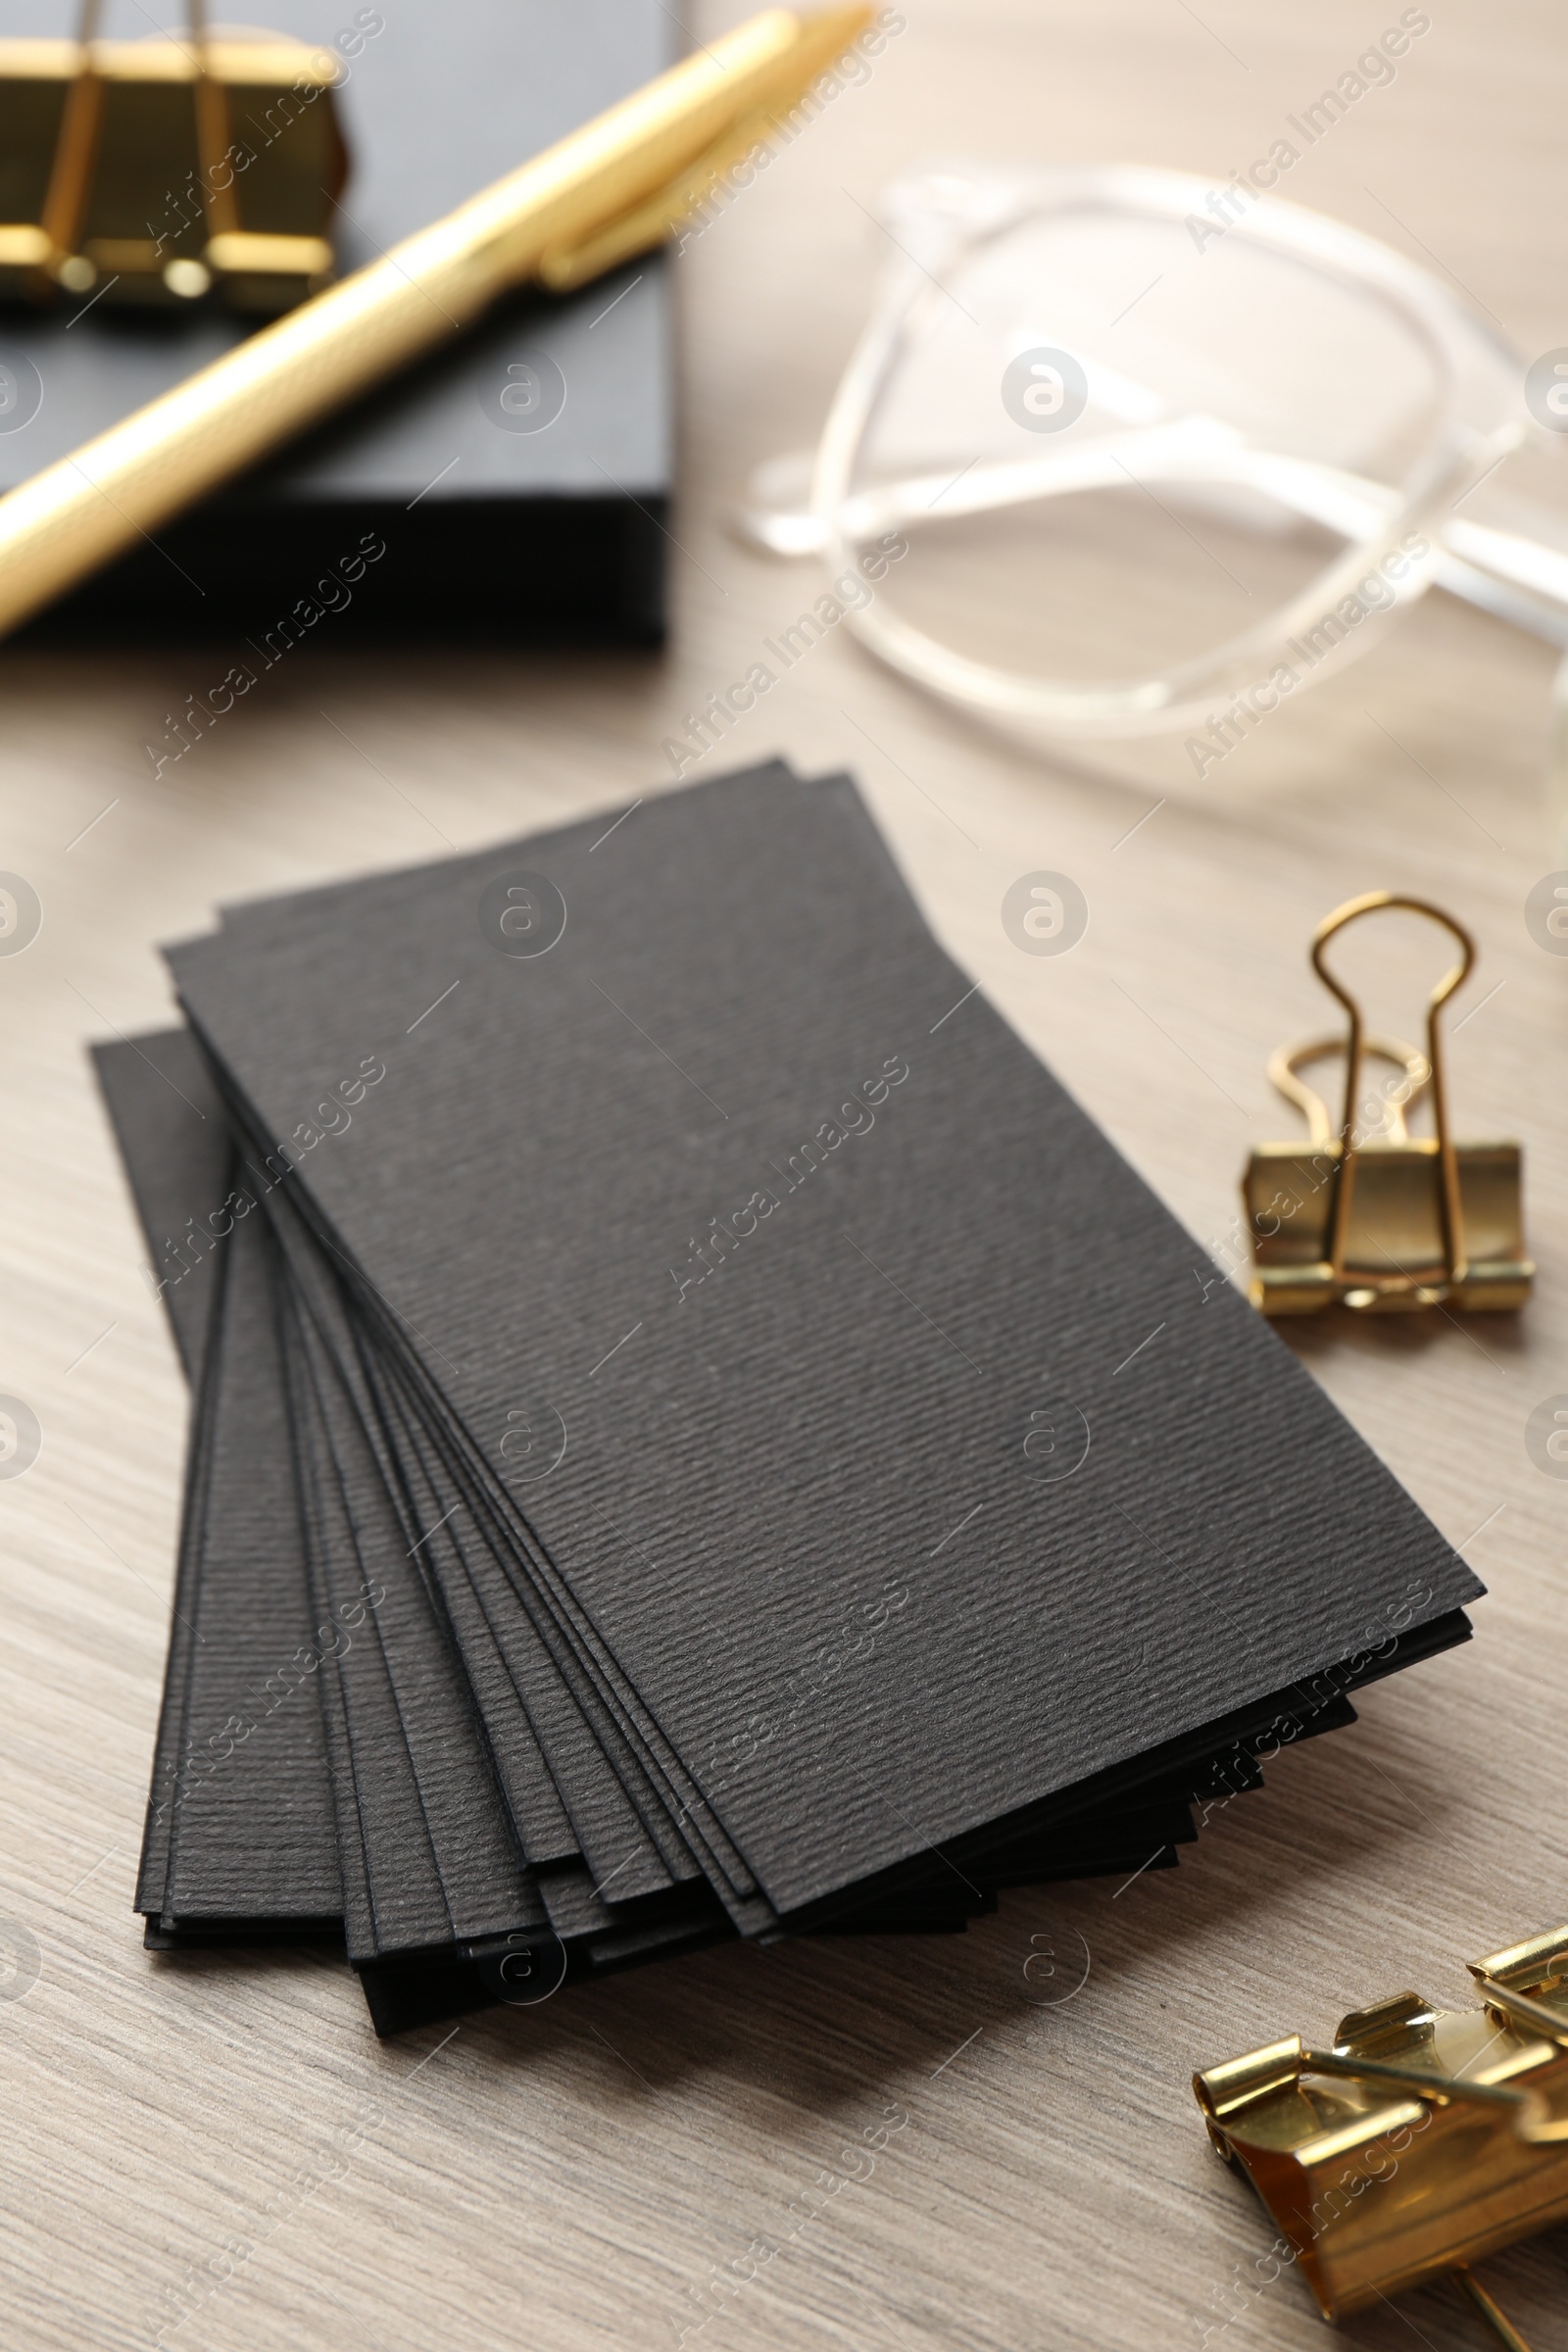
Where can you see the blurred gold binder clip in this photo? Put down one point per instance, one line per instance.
(157, 171)
(1390, 1220)
(1425, 2139)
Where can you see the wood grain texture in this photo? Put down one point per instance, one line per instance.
(216, 2148)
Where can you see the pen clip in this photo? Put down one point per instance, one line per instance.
(818, 42)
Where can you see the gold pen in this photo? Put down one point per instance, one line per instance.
(609, 190)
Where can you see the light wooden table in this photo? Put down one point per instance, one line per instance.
(574, 2177)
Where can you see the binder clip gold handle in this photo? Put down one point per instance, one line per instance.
(1346, 1173)
(1287, 1062)
(1383, 1221)
(153, 171)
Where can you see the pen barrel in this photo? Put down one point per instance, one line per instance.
(119, 489)
(122, 488)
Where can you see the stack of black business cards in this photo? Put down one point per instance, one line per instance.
(694, 1432)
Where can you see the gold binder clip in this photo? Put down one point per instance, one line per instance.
(159, 169)
(1390, 1220)
(1425, 2139)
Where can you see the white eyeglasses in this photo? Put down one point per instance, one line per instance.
(1101, 406)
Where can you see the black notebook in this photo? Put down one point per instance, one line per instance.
(496, 524)
(758, 1458)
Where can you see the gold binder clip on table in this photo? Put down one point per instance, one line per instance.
(158, 169)
(1392, 1220)
(1425, 2139)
